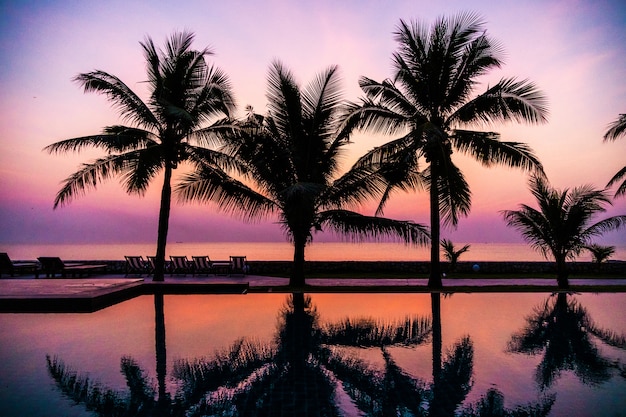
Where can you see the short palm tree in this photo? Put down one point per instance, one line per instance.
(430, 102)
(186, 93)
(600, 253)
(617, 129)
(287, 164)
(451, 253)
(562, 227)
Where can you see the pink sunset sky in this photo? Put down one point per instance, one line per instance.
(575, 51)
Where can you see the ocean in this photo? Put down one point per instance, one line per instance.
(282, 251)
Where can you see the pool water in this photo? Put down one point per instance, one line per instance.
(321, 354)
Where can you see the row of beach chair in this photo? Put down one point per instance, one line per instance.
(181, 265)
(49, 265)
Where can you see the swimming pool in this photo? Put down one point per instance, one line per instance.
(322, 354)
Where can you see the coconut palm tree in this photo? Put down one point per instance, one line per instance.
(600, 253)
(186, 93)
(287, 164)
(451, 253)
(562, 227)
(430, 102)
(617, 129)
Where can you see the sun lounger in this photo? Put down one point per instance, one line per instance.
(180, 265)
(238, 265)
(201, 265)
(9, 267)
(54, 265)
(136, 265)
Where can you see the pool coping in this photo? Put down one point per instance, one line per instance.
(28, 295)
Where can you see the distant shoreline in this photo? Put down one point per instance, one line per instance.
(409, 268)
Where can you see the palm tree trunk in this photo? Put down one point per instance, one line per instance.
(562, 273)
(434, 280)
(164, 220)
(297, 271)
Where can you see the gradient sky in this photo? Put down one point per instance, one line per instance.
(574, 50)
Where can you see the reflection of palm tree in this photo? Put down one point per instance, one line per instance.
(107, 402)
(104, 401)
(561, 227)
(492, 405)
(299, 374)
(562, 330)
(186, 92)
(287, 164)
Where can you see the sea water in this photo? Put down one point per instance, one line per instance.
(283, 251)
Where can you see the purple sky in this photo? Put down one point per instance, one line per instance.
(574, 50)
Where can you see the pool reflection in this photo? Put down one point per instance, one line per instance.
(306, 370)
(562, 331)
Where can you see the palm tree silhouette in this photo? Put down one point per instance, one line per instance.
(561, 227)
(185, 94)
(287, 164)
(429, 102)
(561, 330)
(451, 253)
(600, 253)
(617, 129)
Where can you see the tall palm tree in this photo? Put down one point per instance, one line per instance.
(287, 164)
(186, 93)
(562, 227)
(617, 129)
(430, 101)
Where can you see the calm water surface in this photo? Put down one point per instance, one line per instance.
(563, 354)
(283, 251)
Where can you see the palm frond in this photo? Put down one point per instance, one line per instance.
(616, 129)
(212, 184)
(141, 168)
(284, 102)
(508, 100)
(129, 105)
(606, 225)
(114, 139)
(215, 97)
(453, 191)
(322, 97)
(221, 132)
(90, 175)
(486, 148)
(621, 189)
(359, 227)
(388, 96)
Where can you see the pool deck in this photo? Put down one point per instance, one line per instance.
(27, 294)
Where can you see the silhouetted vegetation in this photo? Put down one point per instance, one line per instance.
(562, 226)
(428, 102)
(185, 94)
(287, 163)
